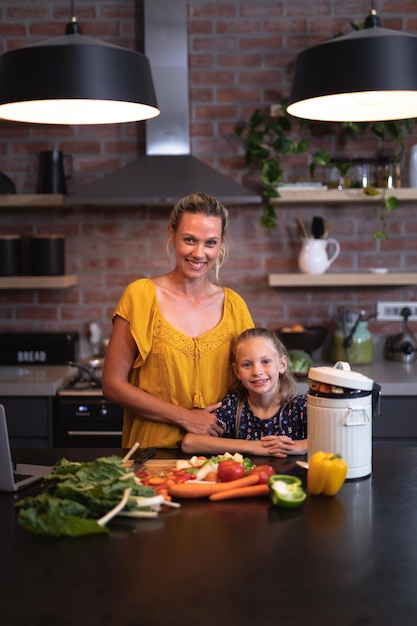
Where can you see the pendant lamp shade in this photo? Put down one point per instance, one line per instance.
(75, 79)
(367, 75)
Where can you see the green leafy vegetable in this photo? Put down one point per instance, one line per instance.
(299, 361)
(246, 462)
(75, 495)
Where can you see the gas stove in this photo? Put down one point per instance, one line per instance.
(82, 387)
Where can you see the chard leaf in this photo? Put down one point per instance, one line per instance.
(75, 495)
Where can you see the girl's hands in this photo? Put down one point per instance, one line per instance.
(282, 445)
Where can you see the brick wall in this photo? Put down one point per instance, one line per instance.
(241, 54)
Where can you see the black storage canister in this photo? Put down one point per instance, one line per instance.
(10, 255)
(47, 255)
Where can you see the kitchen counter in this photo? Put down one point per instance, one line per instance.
(396, 378)
(349, 559)
(33, 380)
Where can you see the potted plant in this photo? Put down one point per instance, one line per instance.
(270, 138)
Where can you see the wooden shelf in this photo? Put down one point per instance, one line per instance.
(32, 200)
(38, 282)
(344, 196)
(342, 280)
(288, 196)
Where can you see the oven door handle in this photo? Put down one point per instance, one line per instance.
(93, 433)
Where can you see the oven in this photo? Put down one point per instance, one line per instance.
(84, 418)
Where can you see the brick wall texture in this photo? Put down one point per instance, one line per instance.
(241, 55)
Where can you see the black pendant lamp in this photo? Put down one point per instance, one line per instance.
(367, 75)
(75, 79)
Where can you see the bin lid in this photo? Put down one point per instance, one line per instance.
(340, 375)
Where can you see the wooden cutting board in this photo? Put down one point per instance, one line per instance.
(156, 467)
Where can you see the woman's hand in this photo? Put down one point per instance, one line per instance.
(203, 421)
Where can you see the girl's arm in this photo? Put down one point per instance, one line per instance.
(120, 354)
(205, 444)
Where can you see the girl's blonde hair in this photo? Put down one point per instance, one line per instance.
(287, 384)
(206, 205)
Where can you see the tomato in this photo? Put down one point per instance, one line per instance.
(230, 470)
(264, 472)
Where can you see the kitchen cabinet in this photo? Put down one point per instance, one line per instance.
(29, 421)
(396, 425)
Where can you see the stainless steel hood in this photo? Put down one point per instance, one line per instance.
(167, 171)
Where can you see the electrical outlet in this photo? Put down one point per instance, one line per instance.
(391, 311)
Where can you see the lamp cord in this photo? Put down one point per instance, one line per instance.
(73, 27)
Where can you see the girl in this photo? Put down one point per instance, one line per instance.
(264, 414)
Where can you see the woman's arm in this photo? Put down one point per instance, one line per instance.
(120, 355)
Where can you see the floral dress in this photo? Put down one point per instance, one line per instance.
(290, 419)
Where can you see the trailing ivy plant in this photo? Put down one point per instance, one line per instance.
(270, 138)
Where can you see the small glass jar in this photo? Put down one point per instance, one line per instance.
(360, 352)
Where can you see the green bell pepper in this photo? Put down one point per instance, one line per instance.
(286, 491)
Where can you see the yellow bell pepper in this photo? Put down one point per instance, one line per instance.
(326, 473)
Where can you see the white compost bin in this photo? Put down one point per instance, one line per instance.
(340, 407)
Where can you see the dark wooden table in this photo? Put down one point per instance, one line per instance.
(350, 560)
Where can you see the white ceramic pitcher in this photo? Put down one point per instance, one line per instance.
(314, 255)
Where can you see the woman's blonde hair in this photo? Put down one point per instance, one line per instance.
(206, 205)
(287, 384)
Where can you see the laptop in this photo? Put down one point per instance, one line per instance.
(22, 475)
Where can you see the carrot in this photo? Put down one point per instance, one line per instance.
(241, 492)
(195, 489)
(156, 480)
(211, 477)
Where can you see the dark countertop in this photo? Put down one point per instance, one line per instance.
(350, 560)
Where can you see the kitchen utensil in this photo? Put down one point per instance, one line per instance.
(402, 347)
(55, 168)
(47, 255)
(340, 407)
(10, 255)
(302, 227)
(351, 344)
(349, 337)
(95, 382)
(317, 227)
(313, 257)
(6, 184)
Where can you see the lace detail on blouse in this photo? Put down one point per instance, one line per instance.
(193, 347)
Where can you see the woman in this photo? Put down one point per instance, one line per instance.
(168, 359)
(265, 415)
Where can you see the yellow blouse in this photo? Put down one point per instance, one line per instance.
(186, 371)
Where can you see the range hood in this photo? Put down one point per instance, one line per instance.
(167, 171)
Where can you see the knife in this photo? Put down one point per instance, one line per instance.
(144, 455)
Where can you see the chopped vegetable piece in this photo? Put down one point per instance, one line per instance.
(286, 491)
